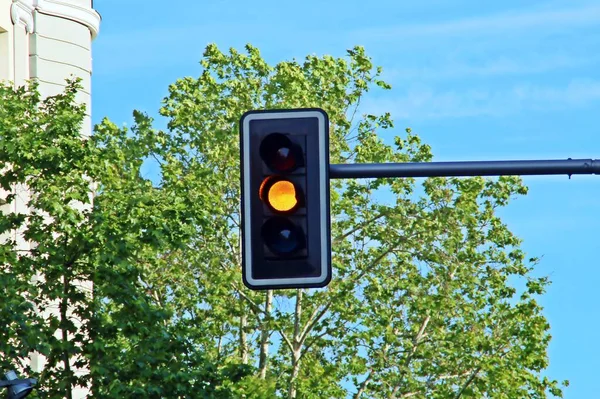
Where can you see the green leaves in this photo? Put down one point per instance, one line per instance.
(431, 298)
(80, 274)
(421, 301)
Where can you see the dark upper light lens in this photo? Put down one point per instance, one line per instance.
(282, 236)
(279, 153)
(283, 159)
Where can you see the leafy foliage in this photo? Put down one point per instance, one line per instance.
(431, 298)
(75, 267)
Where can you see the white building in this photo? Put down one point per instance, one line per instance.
(49, 41)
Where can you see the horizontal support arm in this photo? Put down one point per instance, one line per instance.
(466, 168)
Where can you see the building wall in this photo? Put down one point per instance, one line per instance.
(49, 41)
(5, 49)
(7, 46)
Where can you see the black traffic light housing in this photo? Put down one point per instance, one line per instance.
(285, 198)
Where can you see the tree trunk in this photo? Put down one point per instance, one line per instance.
(64, 306)
(265, 333)
(297, 345)
(295, 371)
(243, 338)
(219, 347)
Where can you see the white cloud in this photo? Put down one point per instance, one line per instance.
(502, 66)
(424, 102)
(576, 93)
(505, 23)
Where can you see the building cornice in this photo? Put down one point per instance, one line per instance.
(22, 11)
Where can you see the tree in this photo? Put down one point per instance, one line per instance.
(431, 298)
(58, 239)
(422, 303)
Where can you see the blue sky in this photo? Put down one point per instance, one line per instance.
(477, 80)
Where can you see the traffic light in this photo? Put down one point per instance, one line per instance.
(285, 198)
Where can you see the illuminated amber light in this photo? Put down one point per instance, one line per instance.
(282, 196)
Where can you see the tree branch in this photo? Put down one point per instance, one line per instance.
(258, 311)
(404, 395)
(416, 341)
(391, 249)
(313, 320)
(468, 382)
(312, 342)
(264, 338)
(358, 227)
(297, 317)
(363, 385)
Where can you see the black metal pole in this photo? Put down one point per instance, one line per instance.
(466, 168)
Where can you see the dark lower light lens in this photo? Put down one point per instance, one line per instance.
(279, 153)
(282, 236)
